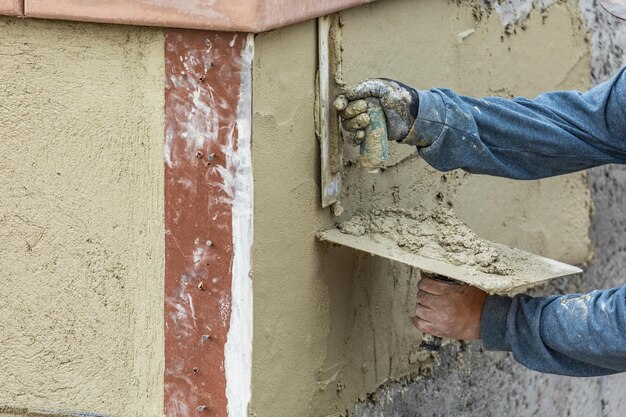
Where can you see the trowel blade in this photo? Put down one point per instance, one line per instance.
(494, 284)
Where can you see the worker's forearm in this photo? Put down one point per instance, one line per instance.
(556, 133)
(577, 335)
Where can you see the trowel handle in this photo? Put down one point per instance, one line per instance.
(441, 278)
(433, 343)
(375, 146)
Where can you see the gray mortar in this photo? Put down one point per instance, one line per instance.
(469, 382)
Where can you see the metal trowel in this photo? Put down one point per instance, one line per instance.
(537, 269)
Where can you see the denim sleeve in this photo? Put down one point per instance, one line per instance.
(556, 133)
(575, 335)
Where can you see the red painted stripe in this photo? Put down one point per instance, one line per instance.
(202, 85)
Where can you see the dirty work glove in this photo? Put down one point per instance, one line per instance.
(400, 104)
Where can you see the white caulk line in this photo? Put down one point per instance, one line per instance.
(238, 349)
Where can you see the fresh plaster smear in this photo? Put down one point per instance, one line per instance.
(238, 349)
(548, 217)
(435, 234)
(332, 324)
(81, 218)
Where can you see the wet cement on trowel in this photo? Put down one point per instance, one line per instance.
(438, 234)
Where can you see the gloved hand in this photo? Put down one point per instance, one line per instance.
(400, 104)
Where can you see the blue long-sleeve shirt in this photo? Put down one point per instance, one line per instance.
(556, 133)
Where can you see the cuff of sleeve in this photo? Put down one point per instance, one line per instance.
(493, 322)
(430, 120)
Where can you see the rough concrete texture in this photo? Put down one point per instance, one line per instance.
(465, 381)
(81, 219)
(331, 325)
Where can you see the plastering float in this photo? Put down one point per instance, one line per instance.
(329, 135)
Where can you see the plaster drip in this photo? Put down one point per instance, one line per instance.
(238, 348)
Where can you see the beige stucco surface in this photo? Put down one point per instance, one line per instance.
(81, 218)
(331, 325)
(291, 306)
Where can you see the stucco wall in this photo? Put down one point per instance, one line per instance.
(291, 298)
(81, 218)
(331, 325)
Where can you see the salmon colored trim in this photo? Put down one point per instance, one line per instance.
(274, 14)
(12, 7)
(205, 73)
(222, 15)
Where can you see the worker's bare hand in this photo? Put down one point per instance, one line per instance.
(451, 311)
(400, 104)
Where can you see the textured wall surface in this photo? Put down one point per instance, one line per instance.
(81, 218)
(331, 325)
(290, 294)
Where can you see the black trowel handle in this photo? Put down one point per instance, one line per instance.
(433, 343)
